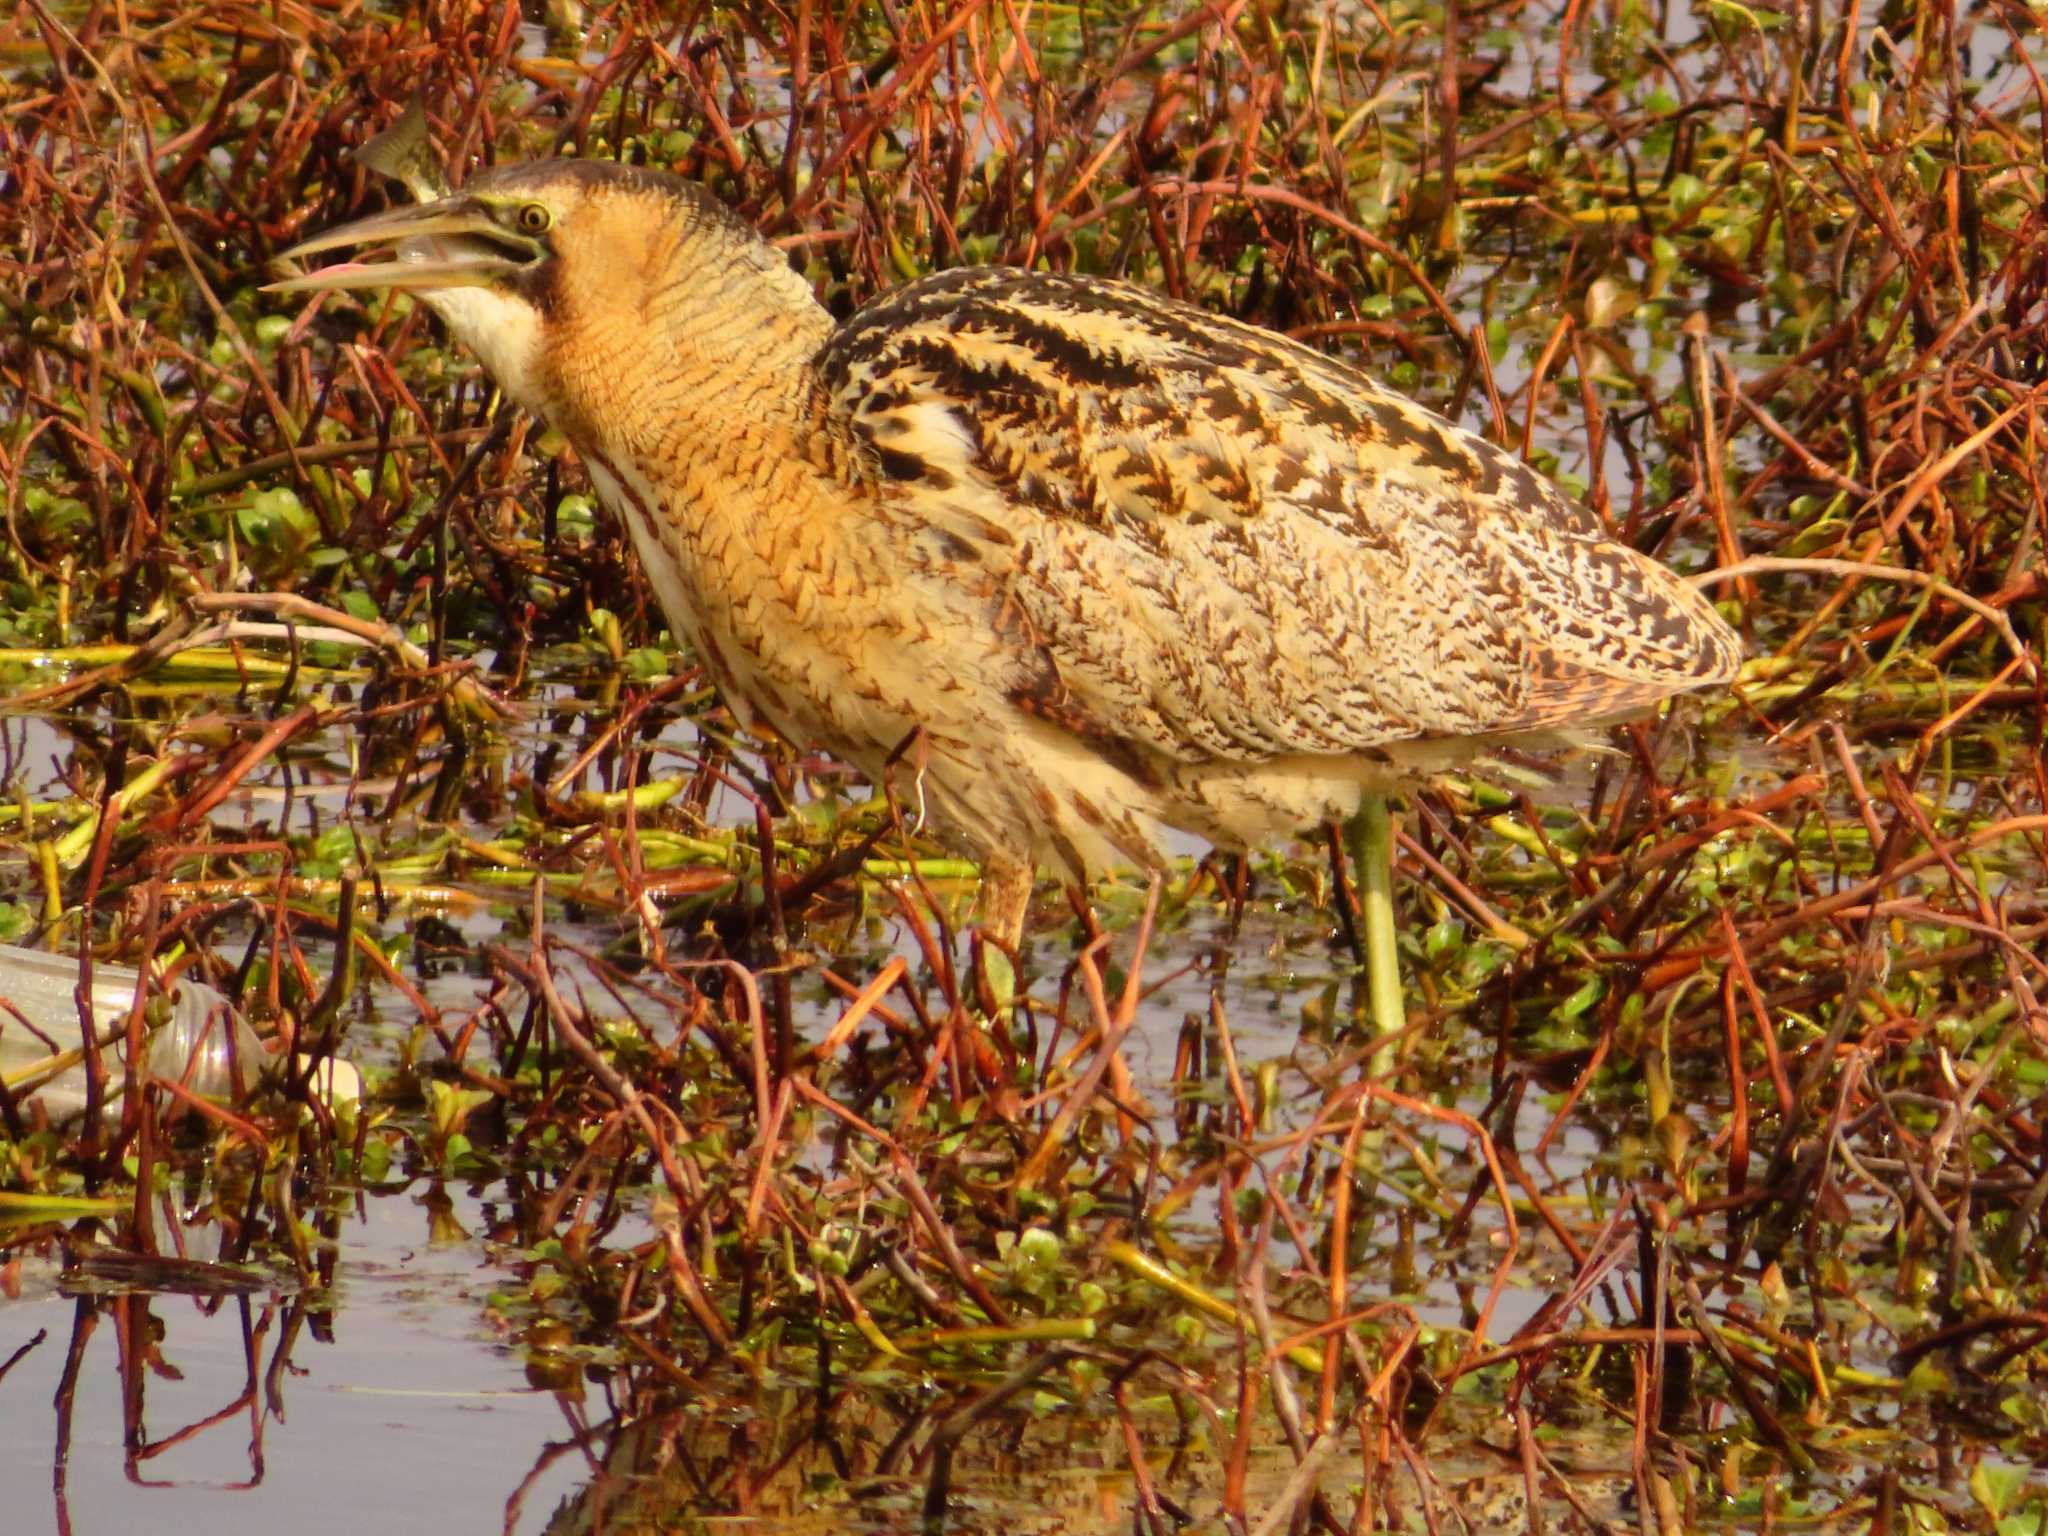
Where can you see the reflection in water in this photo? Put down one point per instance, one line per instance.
(230, 1403)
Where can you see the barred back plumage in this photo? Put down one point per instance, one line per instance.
(1236, 546)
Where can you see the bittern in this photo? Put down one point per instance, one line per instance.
(1122, 564)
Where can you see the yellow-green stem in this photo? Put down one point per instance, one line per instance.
(1372, 859)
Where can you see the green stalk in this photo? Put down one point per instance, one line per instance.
(1371, 834)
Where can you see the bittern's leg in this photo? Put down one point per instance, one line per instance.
(1371, 834)
(1005, 897)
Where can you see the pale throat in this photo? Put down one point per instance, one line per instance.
(503, 331)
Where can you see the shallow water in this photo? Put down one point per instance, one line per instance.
(391, 1402)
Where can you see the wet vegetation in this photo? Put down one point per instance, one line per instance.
(1705, 1190)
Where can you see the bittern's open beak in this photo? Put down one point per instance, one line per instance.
(448, 244)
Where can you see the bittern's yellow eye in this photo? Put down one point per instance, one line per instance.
(534, 218)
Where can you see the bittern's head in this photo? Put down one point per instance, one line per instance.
(560, 273)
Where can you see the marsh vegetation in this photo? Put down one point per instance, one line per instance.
(1706, 1187)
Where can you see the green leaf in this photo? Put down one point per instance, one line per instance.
(1687, 192)
(1994, 1483)
(1590, 991)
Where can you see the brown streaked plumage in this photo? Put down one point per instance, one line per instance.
(1128, 565)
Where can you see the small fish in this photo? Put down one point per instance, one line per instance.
(405, 153)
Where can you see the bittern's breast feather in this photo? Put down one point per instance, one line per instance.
(1224, 544)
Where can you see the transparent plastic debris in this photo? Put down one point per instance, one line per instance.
(193, 1037)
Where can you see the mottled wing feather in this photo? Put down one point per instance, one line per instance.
(1618, 631)
(1213, 542)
